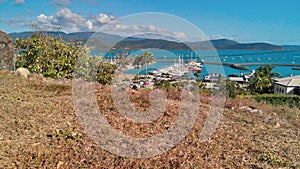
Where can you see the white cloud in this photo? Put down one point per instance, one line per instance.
(180, 36)
(232, 37)
(61, 3)
(19, 2)
(65, 19)
(104, 18)
(145, 31)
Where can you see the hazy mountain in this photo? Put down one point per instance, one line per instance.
(291, 47)
(149, 43)
(233, 45)
(106, 41)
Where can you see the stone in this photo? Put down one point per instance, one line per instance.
(23, 72)
(6, 52)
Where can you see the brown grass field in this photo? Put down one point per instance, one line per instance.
(39, 129)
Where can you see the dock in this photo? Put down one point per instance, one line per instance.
(237, 64)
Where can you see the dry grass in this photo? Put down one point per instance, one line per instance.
(39, 129)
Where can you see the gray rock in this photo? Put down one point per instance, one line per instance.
(6, 52)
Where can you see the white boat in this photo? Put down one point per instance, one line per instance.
(177, 69)
(194, 66)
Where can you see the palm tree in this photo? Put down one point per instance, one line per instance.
(262, 81)
(146, 59)
(137, 63)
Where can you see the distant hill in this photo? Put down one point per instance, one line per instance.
(108, 41)
(77, 36)
(233, 45)
(291, 47)
(136, 43)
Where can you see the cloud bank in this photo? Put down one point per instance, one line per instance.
(68, 21)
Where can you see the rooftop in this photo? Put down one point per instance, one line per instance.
(289, 81)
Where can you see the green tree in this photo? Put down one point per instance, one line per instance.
(46, 55)
(55, 58)
(165, 85)
(233, 89)
(262, 82)
(144, 59)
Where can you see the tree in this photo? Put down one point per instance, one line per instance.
(46, 55)
(137, 63)
(55, 58)
(261, 82)
(146, 59)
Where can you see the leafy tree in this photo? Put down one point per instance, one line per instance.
(137, 61)
(55, 58)
(262, 82)
(46, 55)
(233, 89)
(105, 73)
(165, 84)
(146, 59)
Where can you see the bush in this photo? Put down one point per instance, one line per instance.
(55, 58)
(165, 84)
(279, 100)
(46, 55)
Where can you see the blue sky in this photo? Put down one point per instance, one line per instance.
(277, 22)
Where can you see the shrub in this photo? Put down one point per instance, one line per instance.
(55, 58)
(46, 55)
(279, 100)
(165, 84)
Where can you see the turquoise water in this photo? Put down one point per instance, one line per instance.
(228, 56)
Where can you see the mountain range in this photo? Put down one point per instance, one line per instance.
(107, 41)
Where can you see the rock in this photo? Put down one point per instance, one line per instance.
(59, 165)
(6, 52)
(23, 72)
(277, 125)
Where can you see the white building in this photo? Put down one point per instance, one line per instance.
(287, 85)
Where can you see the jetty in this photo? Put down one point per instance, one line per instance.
(235, 65)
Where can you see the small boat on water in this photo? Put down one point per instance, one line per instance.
(235, 66)
(194, 66)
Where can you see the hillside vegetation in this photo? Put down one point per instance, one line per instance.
(39, 129)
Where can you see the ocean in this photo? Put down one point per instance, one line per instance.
(226, 56)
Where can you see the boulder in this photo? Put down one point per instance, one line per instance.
(23, 72)
(6, 52)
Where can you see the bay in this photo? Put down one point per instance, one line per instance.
(226, 56)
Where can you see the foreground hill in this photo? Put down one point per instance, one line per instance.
(39, 129)
(115, 41)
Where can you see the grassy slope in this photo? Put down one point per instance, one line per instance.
(37, 120)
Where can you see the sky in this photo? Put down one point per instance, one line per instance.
(276, 22)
